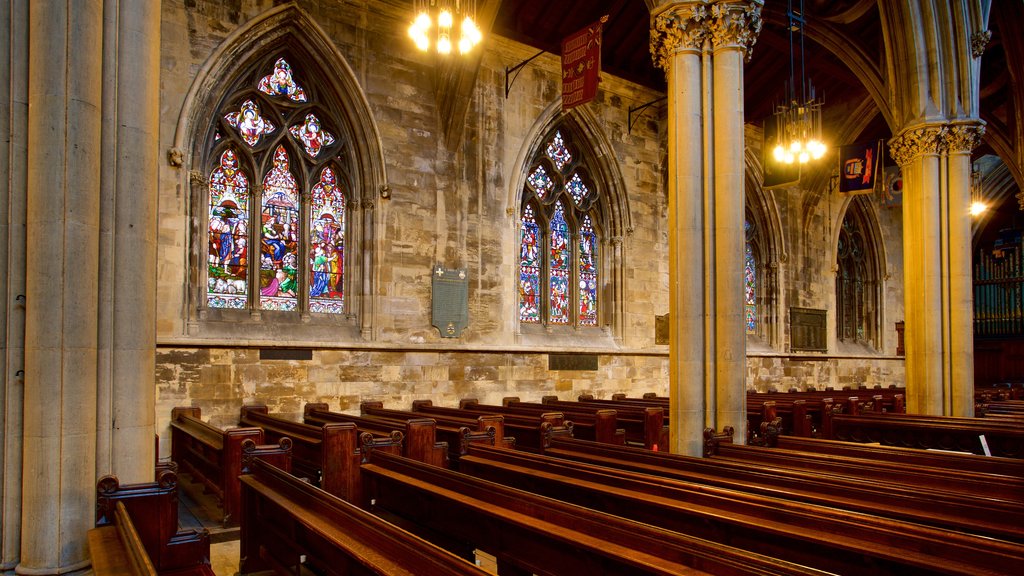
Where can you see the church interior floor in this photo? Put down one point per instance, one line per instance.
(198, 510)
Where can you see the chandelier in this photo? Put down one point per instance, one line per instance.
(798, 121)
(435, 21)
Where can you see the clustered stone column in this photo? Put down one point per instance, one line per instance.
(701, 46)
(938, 298)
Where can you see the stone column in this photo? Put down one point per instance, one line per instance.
(62, 228)
(705, 105)
(935, 159)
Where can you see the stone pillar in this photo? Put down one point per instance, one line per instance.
(128, 261)
(935, 159)
(62, 229)
(705, 105)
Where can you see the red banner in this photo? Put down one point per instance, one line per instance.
(581, 65)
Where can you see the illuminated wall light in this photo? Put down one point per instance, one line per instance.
(469, 34)
(978, 208)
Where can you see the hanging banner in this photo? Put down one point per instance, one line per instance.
(774, 173)
(858, 167)
(581, 65)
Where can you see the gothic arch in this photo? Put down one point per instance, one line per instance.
(287, 28)
(864, 218)
(770, 254)
(612, 205)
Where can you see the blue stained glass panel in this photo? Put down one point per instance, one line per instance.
(227, 259)
(750, 287)
(561, 261)
(279, 236)
(588, 274)
(540, 182)
(327, 245)
(529, 268)
(558, 152)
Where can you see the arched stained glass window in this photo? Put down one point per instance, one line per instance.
(227, 265)
(856, 284)
(301, 199)
(327, 238)
(749, 282)
(559, 267)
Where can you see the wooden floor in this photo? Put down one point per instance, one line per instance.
(199, 510)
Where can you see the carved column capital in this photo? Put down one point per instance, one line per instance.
(979, 40)
(963, 137)
(916, 142)
(683, 26)
(736, 24)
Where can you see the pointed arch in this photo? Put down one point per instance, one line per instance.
(859, 262)
(768, 250)
(287, 32)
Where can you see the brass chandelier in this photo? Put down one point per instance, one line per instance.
(434, 25)
(798, 121)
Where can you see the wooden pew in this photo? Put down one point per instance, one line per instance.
(117, 550)
(459, 433)
(532, 432)
(328, 456)
(530, 534)
(821, 537)
(998, 486)
(291, 527)
(149, 518)
(599, 425)
(420, 434)
(213, 457)
(907, 456)
(975, 514)
(1004, 438)
(644, 426)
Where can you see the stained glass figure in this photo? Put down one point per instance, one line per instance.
(227, 259)
(750, 285)
(327, 245)
(577, 189)
(249, 123)
(281, 83)
(279, 236)
(561, 261)
(529, 268)
(558, 152)
(588, 274)
(312, 135)
(540, 182)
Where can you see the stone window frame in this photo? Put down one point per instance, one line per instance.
(858, 320)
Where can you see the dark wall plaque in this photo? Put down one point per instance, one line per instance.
(808, 328)
(661, 329)
(285, 354)
(572, 361)
(450, 301)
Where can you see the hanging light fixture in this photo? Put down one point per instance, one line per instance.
(798, 121)
(434, 22)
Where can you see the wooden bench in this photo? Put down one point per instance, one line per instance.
(821, 537)
(532, 432)
(1005, 438)
(420, 434)
(599, 426)
(137, 531)
(531, 534)
(328, 455)
(644, 426)
(213, 457)
(976, 514)
(291, 527)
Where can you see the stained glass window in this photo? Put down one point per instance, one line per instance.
(295, 221)
(558, 152)
(561, 260)
(750, 285)
(327, 239)
(249, 123)
(529, 268)
(540, 182)
(559, 277)
(281, 83)
(312, 135)
(577, 189)
(279, 236)
(588, 274)
(227, 263)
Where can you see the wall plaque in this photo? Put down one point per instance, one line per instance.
(572, 361)
(661, 329)
(449, 291)
(286, 354)
(808, 328)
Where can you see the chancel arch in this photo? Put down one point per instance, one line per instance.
(283, 158)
